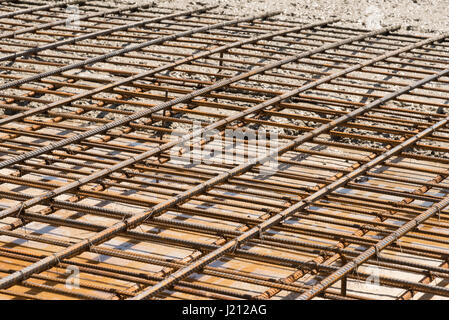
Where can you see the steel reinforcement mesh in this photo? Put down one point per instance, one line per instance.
(128, 168)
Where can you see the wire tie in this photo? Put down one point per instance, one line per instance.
(57, 259)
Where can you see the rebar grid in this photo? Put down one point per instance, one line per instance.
(91, 177)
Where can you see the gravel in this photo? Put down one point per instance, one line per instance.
(423, 16)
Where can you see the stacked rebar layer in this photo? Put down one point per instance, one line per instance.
(104, 112)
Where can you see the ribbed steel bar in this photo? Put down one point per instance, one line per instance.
(303, 203)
